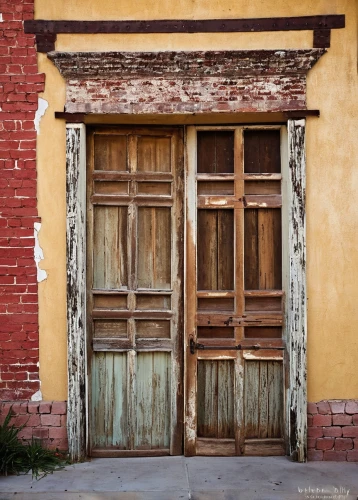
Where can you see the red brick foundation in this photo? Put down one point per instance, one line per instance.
(333, 430)
(332, 426)
(43, 420)
(20, 84)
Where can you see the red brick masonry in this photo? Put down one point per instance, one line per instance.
(43, 420)
(333, 430)
(185, 82)
(20, 84)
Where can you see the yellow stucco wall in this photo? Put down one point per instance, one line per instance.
(332, 173)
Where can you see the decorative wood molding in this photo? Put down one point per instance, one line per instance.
(76, 287)
(279, 117)
(315, 23)
(296, 323)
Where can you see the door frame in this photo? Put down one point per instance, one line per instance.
(295, 276)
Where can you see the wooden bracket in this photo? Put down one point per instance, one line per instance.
(322, 38)
(45, 42)
(70, 117)
(301, 113)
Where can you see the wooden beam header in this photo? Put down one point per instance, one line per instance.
(188, 26)
(46, 30)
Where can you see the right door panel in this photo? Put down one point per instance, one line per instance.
(234, 345)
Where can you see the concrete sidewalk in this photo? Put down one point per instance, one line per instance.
(196, 478)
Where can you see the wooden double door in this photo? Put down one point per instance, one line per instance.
(185, 300)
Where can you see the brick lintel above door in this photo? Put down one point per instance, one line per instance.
(198, 82)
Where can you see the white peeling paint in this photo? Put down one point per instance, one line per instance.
(219, 203)
(257, 357)
(37, 396)
(255, 204)
(38, 254)
(1, 19)
(41, 109)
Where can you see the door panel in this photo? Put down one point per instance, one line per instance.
(154, 247)
(234, 344)
(110, 270)
(110, 399)
(263, 256)
(153, 396)
(215, 249)
(135, 234)
(216, 399)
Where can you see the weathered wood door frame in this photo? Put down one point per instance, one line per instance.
(294, 252)
(293, 222)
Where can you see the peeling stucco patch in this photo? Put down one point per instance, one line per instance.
(38, 254)
(41, 109)
(37, 396)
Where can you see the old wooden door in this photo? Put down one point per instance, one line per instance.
(135, 240)
(234, 343)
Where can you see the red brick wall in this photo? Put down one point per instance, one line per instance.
(20, 84)
(333, 430)
(43, 420)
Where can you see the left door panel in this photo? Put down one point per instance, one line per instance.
(134, 291)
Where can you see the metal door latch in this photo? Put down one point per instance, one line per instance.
(196, 346)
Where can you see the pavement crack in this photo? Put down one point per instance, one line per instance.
(187, 480)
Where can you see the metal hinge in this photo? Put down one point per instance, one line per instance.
(196, 346)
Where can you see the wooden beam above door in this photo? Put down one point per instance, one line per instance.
(46, 30)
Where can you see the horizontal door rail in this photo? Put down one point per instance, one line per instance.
(197, 346)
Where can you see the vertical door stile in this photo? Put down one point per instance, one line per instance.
(190, 296)
(131, 299)
(89, 295)
(132, 398)
(177, 306)
(285, 281)
(239, 291)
